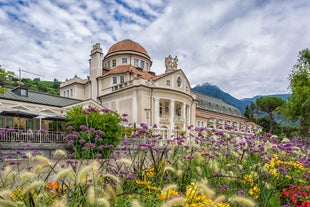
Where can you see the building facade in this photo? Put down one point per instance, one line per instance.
(122, 81)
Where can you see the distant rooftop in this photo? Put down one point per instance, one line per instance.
(39, 98)
(217, 105)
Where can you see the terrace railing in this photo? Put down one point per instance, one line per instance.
(10, 135)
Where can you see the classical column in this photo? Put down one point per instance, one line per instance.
(172, 111)
(117, 106)
(184, 115)
(156, 111)
(193, 114)
(134, 107)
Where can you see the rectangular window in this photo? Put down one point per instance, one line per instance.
(64, 93)
(113, 62)
(109, 64)
(114, 80)
(168, 82)
(136, 62)
(71, 92)
(142, 64)
(122, 79)
(124, 60)
(147, 66)
(23, 92)
(67, 93)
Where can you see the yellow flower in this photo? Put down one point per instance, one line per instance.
(248, 178)
(143, 182)
(17, 194)
(150, 172)
(168, 194)
(254, 192)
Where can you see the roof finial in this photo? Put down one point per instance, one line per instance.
(171, 63)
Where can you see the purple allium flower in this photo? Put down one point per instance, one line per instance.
(83, 127)
(94, 109)
(241, 192)
(189, 157)
(105, 110)
(85, 111)
(281, 169)
(98, 155)
(70, 142)
(123, 115)
(124, 120)
(70, 161)
(144, 126)
(69, 128)
(131, 175)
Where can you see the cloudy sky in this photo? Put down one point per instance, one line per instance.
(246, 47)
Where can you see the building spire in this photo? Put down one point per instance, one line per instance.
(171, 63)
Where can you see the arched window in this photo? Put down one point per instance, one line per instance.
(179, 81)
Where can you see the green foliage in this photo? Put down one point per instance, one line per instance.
(297, 106)
(250, 111)
(8, 78)
(269, 104)
(96, 130)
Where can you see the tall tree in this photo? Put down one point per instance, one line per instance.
(297, 106)
(269, 104)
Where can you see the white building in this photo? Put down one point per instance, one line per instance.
(122, 80)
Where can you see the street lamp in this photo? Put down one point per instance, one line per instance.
(147, 111)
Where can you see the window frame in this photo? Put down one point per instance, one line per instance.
(114, 80)
(122, 79)
(114, 63)
(136, 62)
(179, 81)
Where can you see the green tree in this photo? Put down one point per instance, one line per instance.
(298, 105)
(89, 123)
(251, 111)
(5, 78)
(269, 104)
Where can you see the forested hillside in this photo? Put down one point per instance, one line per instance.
(10, 79)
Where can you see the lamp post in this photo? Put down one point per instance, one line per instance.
(147, 111)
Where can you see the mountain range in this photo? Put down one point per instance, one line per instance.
(214, 91)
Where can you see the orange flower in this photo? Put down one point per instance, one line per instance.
(52, 185)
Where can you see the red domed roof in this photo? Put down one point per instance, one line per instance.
(127, 45)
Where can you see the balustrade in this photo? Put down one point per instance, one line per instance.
(37, 136)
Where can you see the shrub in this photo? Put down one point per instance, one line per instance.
(93, 132)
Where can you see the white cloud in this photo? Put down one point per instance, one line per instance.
(245, 47)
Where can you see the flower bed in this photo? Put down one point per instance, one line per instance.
(204, 168)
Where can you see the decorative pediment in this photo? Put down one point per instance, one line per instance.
(19, 107)
(48, 111)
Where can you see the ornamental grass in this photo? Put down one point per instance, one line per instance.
(202, 168)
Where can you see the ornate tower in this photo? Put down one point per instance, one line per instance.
(95, 69)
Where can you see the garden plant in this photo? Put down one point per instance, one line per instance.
(200, 168)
